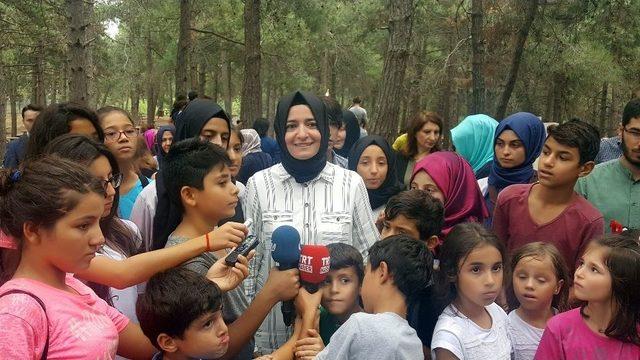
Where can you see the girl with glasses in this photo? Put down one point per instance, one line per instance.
(121, 138)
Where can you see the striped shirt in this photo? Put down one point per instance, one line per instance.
(333, 207)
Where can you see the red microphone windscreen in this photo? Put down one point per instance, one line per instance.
(314, 263)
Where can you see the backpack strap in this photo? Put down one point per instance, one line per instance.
(44, 309)
(143, 180)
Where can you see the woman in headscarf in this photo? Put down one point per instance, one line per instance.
(164, 140)
(448, 177)
(473, 139)
(374, 160)
(150, 139)
(253, 158)
(423, 138)
(352, 133)
(518, 142)
(325, 202)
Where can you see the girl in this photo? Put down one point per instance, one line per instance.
(45, 311)
(537, 291)
(234, 151)
(473, 139)
(470, 278)
(517, 144)
(121, 137)
(423, 138)
(325, 202)
(351, 135)
(607, 325)
(253, 159)
(448, 177)
(164, 140)
(373, 159)
(60, 119)
(112, 275)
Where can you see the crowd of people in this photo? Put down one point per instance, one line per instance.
(115, 241)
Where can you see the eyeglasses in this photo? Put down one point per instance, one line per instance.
(114, 135)
(635, 134)
(115, 181)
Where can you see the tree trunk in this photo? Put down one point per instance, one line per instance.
(184, 48)
(251, 102)
(3, 110)
(391, 93)
(135, 106)
(54, 89)
(415, 84)
(477, 57)
(13, 99)
(38, 75)
(152, 87)
(226, 81)
(78, 44)
(603, 107)
(202, 78)
(521, 39)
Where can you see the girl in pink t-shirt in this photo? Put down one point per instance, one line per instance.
(52, 209)
(607, 325)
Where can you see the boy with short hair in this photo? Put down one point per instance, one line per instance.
(341, 289)
(414, 213)
(398, 271)
(550, 210)
(198, 181)
(180, 312)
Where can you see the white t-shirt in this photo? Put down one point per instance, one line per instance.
(466, 340)
(524, 337)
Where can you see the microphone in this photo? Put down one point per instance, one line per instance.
(285, 250)
(314, 266)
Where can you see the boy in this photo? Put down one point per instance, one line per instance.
(180, 312)
(549, 210)
(197, 179)
(414, 213)
(398, 272)
(341, 289)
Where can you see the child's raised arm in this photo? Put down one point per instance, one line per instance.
(137, 269)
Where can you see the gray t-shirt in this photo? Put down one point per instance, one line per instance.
(234, 302)
(381, 336)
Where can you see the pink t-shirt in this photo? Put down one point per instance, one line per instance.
(570, 231)
(81, 326)
(567, 337)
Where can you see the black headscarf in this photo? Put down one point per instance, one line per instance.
(194, 117)
(353, 133)
(188, 125)
(160, 154)
(391, 185)
(302, 170)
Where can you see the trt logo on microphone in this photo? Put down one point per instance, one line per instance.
(307, 264)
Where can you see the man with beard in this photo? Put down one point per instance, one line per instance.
(614, 186)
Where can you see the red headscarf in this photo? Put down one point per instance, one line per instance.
(455, 179)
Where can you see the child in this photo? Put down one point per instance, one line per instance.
(198, 181)
(397, 274)
(199, 331)
(341, 290)
(470, 278)
(44, 310)
(234, 152)
(537, 291)
(414, 213)
(549, 210)
(607, 325)
(121, 137)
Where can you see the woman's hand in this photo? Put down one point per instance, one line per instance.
(307, 303)
(226, 277)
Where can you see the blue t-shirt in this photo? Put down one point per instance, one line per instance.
(127, 200)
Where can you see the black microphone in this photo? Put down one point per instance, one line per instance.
(285, 250)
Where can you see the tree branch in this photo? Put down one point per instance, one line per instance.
(217, 35)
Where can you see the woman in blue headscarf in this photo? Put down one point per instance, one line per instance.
(473, 140)
(518, 142)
